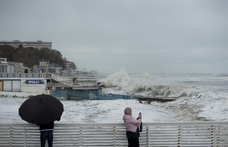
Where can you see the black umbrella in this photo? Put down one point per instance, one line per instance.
(41, 109)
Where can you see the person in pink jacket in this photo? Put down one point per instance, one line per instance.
(132, 130)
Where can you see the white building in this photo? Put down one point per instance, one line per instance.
(11, 81)
(5, 67)
(39, 44)
(45, 66)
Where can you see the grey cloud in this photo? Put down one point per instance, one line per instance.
(138, 35)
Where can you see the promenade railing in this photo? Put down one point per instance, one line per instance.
(24, 75)
(178, 134)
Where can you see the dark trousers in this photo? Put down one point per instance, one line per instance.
(46, 135)
(133, 142)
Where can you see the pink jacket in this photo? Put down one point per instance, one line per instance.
(130, 123)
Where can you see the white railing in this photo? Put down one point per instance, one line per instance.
(68, 82)
(60, 78)
(194, 134)
(63, 80)
(86, 84)
(24, 75)
(56, 85)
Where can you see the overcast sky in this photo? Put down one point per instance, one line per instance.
(153, 36)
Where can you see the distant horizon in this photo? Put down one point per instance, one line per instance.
(226, 73)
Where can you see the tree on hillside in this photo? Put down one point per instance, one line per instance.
(31, 56)
(7, 51)
(73, 66)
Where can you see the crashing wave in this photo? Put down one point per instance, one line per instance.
(195, 102)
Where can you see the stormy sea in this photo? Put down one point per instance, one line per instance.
(200, 97)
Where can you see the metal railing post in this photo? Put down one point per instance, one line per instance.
(218, 137)
(212, 136)
(114, 136)
(11, 136)
(80, 137)
(180, 136)
(24, 136)
(148, 136)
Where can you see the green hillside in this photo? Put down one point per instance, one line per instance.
(31, 56)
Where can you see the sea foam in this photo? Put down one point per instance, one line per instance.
(200, 97)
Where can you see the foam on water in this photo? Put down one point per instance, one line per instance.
(200, 97)
(89, 111)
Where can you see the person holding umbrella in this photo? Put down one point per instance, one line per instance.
(42, 110)
(132, 130)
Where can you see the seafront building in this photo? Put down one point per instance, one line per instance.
(46, 67)
(10, 67)
(39, 44)
(43, 78)
(13, 78)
